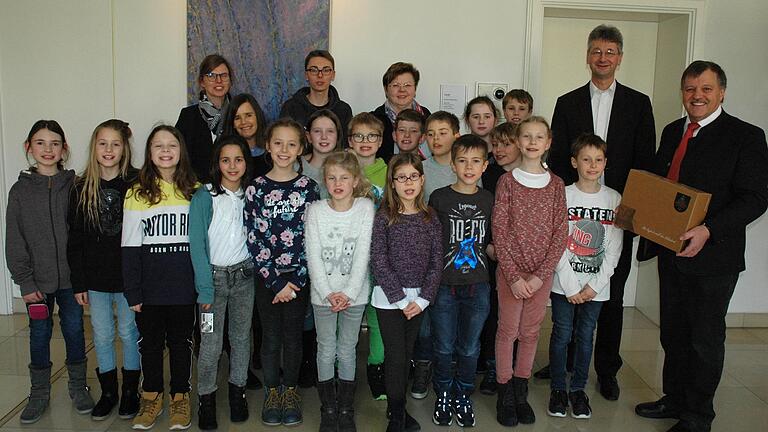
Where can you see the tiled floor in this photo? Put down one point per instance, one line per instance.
(741, 401)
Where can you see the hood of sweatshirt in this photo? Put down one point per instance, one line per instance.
(30, 180)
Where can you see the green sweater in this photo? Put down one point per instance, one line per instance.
(376, 173)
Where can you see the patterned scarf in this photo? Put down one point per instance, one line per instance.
(392, 115)
(211, 114)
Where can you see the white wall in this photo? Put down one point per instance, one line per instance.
(735, 36)
(52, 70)
(79, 63)
(150, 64)
(59, 60)
(449, 42)
(671, 50)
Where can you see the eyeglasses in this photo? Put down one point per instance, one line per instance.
(317, 71)
(371, 137)
(609, 53)
(405, 86)
(213, 77)
(402, 178)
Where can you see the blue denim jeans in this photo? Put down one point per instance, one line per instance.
(583, 332)
(71, 320)
(458, 315)
(103, 323)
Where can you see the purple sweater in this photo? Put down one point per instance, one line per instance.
(408, 254)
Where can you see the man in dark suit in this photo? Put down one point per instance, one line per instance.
(728, 158)
(624, 119)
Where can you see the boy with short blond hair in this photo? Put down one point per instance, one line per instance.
(365, 134)
(462, 302)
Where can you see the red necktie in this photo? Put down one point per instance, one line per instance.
(677, 159)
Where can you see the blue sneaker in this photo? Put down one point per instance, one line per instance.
(462, 407)
(271, 413)
(291, 404)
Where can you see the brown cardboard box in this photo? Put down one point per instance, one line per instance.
(659, 209)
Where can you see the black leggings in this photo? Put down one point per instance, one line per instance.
(398, 335)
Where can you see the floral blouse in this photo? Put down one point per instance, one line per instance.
(274, 219)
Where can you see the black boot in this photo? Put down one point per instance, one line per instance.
(238, 404)
(524, 411)
(206, 411)
(411, 425)
(346, 400)
(253, 383)
(109, 398)
(505, 405)
(329, 419)
(376, 381)
(308, 370)
(129, 397)
(396, 410)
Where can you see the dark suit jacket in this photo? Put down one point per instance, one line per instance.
(197, 137)
(387, 149)
(631, 133)
(729, 159)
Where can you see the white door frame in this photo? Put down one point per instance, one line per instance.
(6, 284)
(534, 36)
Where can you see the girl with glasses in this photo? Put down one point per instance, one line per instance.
(407, 262)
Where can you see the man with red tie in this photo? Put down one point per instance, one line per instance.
(715, 152)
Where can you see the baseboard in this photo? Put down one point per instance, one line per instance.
(746, 320)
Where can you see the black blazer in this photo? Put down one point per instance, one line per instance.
(197, 136)
(729, 159)
(631, 133)
(387, 149)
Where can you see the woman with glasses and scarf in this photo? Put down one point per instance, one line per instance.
(203, 122)
(400, 82)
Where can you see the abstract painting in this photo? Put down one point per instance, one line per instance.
(265, 41)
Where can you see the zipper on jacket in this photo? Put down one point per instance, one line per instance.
(53, 230)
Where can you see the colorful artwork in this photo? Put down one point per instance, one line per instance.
(265, 41)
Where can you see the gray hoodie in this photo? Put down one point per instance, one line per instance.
(36, 231)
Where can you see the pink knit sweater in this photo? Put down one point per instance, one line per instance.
(530, 227)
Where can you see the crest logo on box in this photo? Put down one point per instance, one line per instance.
(681, 202)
